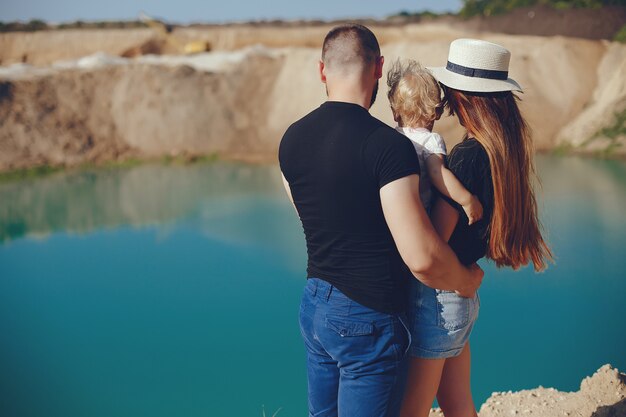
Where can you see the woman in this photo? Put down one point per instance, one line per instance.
(494, 162)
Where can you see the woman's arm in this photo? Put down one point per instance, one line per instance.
(444, 218)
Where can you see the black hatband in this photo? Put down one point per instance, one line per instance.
(477, 72)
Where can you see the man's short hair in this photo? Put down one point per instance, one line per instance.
(350, 47)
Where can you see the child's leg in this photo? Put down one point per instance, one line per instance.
(421, 386)
(455, 394)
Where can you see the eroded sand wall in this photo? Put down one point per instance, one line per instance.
(148, 109)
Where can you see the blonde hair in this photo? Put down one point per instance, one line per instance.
(414, 94)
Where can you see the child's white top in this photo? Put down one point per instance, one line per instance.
(425, 143)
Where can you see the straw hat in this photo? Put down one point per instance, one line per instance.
(476, 66)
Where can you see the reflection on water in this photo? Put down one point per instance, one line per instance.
(84, 201)
(81, 202)
(173, 290)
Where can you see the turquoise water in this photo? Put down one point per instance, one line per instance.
(174, 291)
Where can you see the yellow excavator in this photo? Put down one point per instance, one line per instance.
(165, 37)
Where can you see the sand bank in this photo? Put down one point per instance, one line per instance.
(237, 103)
(601, 395)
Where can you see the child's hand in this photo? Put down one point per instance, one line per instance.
(473, 210)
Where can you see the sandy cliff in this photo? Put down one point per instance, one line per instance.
(238, 103)
(116, 111)
(605, 110)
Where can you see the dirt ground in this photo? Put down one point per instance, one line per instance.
(601, 395)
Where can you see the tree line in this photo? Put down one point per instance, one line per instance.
(493, 7)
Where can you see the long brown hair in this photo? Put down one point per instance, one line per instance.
(497, 124)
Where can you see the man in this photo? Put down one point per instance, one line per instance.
(354, 183)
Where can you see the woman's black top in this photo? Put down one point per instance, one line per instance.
(470, 163)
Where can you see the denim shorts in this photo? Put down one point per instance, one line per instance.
(440, 321)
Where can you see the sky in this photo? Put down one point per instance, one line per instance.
(187, 11)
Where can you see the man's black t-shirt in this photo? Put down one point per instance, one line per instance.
(470, 164)
(335, 160)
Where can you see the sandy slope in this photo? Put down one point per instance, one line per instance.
(608, 100)
(70, 116)
(601, 395)
(238, 103)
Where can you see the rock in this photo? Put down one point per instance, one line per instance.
(601, 395)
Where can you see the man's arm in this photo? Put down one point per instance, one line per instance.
(427, 256)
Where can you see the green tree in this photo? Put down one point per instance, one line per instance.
(493, 7)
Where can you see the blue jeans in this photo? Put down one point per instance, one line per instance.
(357, 357)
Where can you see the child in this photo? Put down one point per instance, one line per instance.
(415, 99)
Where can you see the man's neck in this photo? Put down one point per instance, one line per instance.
(350, 99)
(350, 93)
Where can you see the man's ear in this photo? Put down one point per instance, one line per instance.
(379, 67)
(322, 70)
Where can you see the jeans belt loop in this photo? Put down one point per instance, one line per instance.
(315, 282)
(329, 292)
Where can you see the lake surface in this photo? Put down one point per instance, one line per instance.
(174, 291)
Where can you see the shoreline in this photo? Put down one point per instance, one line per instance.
(44, 170)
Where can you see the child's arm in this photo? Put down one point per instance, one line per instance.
(450, 186)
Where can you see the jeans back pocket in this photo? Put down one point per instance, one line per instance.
(346, 327)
